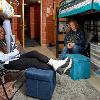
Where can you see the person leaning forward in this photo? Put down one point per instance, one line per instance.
(74, 40)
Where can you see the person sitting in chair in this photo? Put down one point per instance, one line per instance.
(30, 59)
(74, 41)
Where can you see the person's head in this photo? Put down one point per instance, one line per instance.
(73, 25)
(2, 33)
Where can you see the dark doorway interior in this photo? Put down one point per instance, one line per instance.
(32, 24)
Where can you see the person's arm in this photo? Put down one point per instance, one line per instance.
(6, 57)
(66, 38)
(81, 38)
(9, 37)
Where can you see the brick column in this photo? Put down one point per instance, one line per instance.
(47, 23)
(14, 21)
(43, 22)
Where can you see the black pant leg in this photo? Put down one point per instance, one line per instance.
(24, 63)
(35, 54)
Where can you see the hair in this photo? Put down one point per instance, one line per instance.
(3, 46)
(75, 23)
(2, 32)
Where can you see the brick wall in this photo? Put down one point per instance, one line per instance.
(15, 21)
(48, 25)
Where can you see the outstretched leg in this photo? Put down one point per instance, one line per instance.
(35, 54)
(49, 61)
(24, 63)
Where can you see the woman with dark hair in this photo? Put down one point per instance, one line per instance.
(74, 41)
(12, 60)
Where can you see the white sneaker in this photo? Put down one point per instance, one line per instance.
(69, 66)
(61, 70)
(57, 63)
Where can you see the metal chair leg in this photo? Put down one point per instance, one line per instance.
(4, 89)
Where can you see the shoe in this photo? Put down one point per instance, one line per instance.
(69, 66)
(62, 69)
(57, 63)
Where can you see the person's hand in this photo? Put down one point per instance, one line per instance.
(16, 51)
(70, 45)
(4, 49)
(19, 46)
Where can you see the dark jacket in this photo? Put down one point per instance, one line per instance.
(77, 37)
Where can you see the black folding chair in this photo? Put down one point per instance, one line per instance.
(3, 72)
